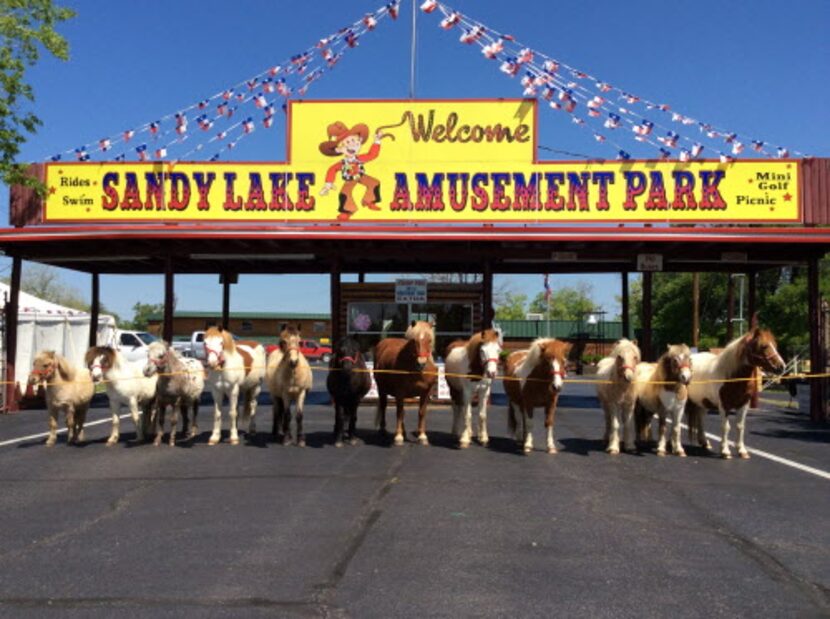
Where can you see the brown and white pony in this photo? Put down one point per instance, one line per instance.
(235, 369)
(180, 384)
(617, 394)
(289, 379)
(470, 368)
(727, 381)
(403, 368)
(126, 386)
(68, 389)
(662, 389)
(534, 377)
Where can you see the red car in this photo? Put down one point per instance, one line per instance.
(312, 350)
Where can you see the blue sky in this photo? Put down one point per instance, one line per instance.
(758, 68)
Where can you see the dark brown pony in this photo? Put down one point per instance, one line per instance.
(534, 378)
(404, 369)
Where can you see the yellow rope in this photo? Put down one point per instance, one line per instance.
(775, 379)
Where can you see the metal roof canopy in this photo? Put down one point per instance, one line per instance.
(285, 248)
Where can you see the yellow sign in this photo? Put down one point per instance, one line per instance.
(429, 161)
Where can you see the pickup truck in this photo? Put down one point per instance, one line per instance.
(133, 344)
(311, 349)
(194, 347)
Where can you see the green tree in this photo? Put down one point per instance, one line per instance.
(25, 27)
(568, 303)
(510, 306)
(142, 313)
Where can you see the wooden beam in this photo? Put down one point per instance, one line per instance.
(730, 307)
(10, 403)
(226, 302)
(169, 300)
(94, 310)
(695, 310)
(646, 344)
(336, 297)
(626, 318)
(487, 310)
(818, 353)
(752, 296)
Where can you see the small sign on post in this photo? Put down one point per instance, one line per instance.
(410, 291)
(649, 262)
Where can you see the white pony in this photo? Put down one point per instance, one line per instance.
(479, 357)
(617, 394)
(126, 385)
(235, 369)
(727, 382)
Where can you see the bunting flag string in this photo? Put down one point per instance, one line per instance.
(260, 92)
(607, 109)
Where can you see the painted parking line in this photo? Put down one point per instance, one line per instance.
(765, 454)
(60, 431)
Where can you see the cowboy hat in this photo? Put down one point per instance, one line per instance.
(338, 132)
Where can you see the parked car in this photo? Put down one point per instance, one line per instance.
(133, 344)
(311, 349)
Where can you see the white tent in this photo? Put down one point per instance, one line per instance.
(48, 326)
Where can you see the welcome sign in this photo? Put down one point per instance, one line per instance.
(430, 161)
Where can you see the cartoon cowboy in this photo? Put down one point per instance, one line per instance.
(347, 142)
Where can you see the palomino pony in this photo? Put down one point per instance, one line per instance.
(348, 382)
(617, 394)
(180, 384)
(727, 382)
(289, 379)
(532, 378)
(235, 369)
(404, 369)
(470, 369)
(662, 389)
(68, 389)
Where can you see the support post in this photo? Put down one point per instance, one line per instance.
(94, 310)
(626, 318)
(226, 301)
(730, 307)
(169, 300)
(818, 354)
(645, 345)
(335, 302)
(695, 310)
(487, 311)
(10, 402)
(752, 294)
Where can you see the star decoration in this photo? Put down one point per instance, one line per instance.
(787, 197)
(52, 190)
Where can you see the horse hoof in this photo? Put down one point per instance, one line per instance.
(353, 441)
(157, 442)
(286, 440)
(50, 443)
(552, 450)
(661, 452)
(423, 440)
(726, 455)
(527, 449)
(613, 452)
(484, 442)
(463, 445)
(301, 442)
(399, 439)
(234, 440)
(111, 442)
(338, 444)
(213, 441)
(680, 453)
(744, 455)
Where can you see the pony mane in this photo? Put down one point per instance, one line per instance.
(421, 327)
(624, 346)
(227, 337)
(534, 355)
(109, 353)
(674, 350)
(730, 360)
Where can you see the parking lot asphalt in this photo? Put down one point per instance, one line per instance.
(375, 530)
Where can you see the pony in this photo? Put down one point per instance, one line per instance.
(235, 369)
(180, 384)
(347, 383)
(617, 394)
(534, 377)
(126, 385)
(470, 368)
(289, 379)
(662, 389)
(68, 389)
(403, 368)
(727, 381)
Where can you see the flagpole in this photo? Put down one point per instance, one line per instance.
(412, 51)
